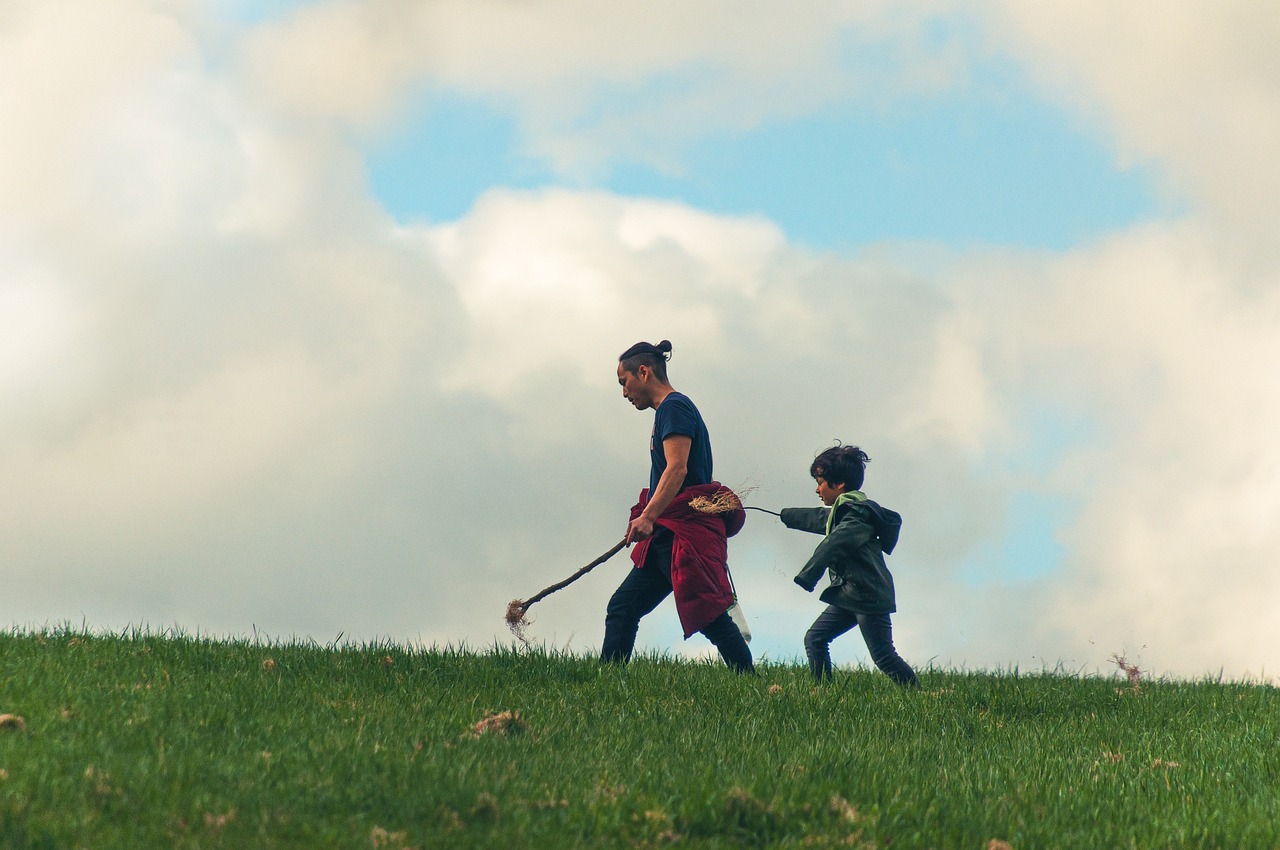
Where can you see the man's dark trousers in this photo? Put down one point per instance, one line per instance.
(642, 590)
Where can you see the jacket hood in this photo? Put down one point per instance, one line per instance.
(887, 523)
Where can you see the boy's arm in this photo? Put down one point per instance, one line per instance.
(849, 535)
(806, 519)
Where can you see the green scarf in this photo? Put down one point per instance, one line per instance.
(843, 498)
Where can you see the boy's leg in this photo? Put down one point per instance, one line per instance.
(877, 631)
(830, 624)
(724, 633)
(639, 593)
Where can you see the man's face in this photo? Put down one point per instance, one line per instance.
(828, 493)
(635, 386)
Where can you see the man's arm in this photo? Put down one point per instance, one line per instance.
(676, 448)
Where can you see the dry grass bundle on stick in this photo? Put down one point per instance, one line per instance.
(720, 502)
(517, 609)
(724, 500)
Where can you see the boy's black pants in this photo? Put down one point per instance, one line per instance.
(876, 630)
(642, 590)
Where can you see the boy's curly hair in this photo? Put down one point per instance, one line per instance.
(839, 464)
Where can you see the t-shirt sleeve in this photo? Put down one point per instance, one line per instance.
(682, 418)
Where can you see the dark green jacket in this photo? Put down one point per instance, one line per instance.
(862, 533)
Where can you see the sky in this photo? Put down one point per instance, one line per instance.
(310, 311)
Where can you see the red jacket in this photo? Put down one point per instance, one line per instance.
(699, 555)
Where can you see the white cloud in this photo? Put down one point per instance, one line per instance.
(1189, 87)
(237, 394)
(528, 265)
(39, 325)
(596, 83)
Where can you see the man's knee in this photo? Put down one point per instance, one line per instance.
(614, 613)
(620, 607)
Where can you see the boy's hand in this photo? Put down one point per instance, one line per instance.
(640, 528)
(808, 587)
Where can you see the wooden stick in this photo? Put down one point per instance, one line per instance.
(579, 574)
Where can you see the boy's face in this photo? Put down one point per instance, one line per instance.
(828, 493)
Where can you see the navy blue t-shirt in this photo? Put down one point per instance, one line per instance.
(677, 415)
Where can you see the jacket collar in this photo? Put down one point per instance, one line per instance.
(844, 499)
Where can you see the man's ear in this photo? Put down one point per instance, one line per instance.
(643, 372)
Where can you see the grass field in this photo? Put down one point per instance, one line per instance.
(144, 740)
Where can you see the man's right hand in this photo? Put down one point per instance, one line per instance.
(639, 528)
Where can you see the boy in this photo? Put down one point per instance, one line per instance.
(857, 532)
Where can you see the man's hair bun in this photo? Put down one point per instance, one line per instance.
(661, 350)
(647, 354)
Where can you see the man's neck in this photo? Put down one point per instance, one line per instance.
(660, 395)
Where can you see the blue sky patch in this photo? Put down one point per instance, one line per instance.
(1029, 549)
(446, 157)
(256, 11)
(987, 163)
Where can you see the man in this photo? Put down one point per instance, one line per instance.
(678, 548)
